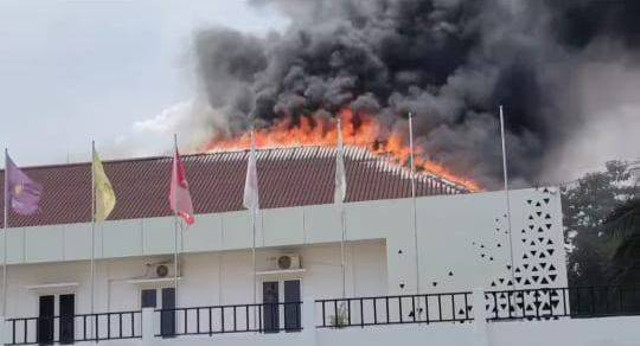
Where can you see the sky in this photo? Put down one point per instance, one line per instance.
(80, 70)
(120, 72)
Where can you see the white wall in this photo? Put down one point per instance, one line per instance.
(207, 278)
(617, 331)
(292, 339)
(620, 331)
(463, 243)
(408, 335)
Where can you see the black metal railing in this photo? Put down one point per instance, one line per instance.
(221, 319)
(75, 328)
(385, 310)
(553, 303)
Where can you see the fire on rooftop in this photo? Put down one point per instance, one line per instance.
(359, 130)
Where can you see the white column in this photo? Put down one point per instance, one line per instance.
(4, 332)
(309, 321)
(480, 318)
(148, 334)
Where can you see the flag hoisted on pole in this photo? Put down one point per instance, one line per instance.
(179, 196)
(413, 201)
(23, 195)
(340, 195)
(103, 200)
(506, 188)
(104, 193)
(251, 198)
(251, 201)
(180, 203)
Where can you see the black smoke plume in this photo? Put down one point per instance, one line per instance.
(449, 62)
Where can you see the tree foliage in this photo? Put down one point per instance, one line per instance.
(601, 220)
(622, 231)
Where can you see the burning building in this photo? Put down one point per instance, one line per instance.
(434, 268)
(463, 240)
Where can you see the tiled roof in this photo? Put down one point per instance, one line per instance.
(286, 177)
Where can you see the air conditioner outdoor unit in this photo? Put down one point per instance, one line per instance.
(286, 262)
(161, 270)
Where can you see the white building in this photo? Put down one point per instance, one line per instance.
(471, 281)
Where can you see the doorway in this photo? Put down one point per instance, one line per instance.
(149, 299)
(47, 317)
(67, 318)
(285, 293)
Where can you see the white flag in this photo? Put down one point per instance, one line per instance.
(251, 198)
(340, 193)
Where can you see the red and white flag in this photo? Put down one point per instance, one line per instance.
(179, 196)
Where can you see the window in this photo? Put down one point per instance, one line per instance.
(148, 298)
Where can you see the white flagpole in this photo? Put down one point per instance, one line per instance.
(343, 250)
(342, 223)
(4, 234)
(253, 256)
(253, 210)
(414, 207)
(506, 189)
(176, 223)
(93, 226)
(253, 229)
(251, 201)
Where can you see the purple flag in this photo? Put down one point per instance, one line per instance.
(23, 193)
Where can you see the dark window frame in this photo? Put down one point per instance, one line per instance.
(149, 298)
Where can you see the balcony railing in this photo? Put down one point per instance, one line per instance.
(403, 309)
(76, 328)
(221, 319)
(458, 307)
(553, 303)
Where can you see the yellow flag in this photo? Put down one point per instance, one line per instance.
(105, 196)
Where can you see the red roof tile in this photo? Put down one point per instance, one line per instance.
(286, 177)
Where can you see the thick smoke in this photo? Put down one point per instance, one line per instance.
(449, 62)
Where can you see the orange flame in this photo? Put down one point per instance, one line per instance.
(358, 130)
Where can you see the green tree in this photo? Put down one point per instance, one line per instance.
(587, 205)
(622, 231)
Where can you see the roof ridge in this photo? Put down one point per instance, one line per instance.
(354, 152)
(85, 163)
(155, 157)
